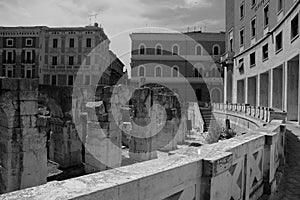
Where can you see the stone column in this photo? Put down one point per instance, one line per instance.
(225, 83)
(23, 158)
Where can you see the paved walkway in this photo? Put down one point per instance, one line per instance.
(289, 188)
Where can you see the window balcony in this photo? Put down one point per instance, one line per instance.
(9, 61)
(28, 61)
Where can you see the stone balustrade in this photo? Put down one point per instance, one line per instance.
(243, 167)
(264, 114)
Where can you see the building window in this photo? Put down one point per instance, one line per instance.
(10, 57)
(253, 28)
(231, 44)
(242, 37)
(88, 60)
(280, 6)
(175, 50)
(265, 52)
(295, 27)
(252, 59)
(198, 72)
(198, 50)
(253, 2)
(142, 71)
(142, 50)
(71, 43)
(54, 60)
(242, 10)
(53, 80)
(55, 43)
(9, 42)
(175, 71)
(28, 57)
(87, 80)
(266, 16)
(158, 71)
(241, 66)
(71, 60)
(29, 42)
(158, 50)
(216, 50)
(88, 42)
(278, 42)
(70, 80)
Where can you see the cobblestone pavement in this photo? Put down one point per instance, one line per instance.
(289, 188)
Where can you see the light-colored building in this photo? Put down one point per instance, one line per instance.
(262, 54)
(187, 63)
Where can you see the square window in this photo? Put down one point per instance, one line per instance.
(29, 42)
(252, 59)
(9, 42)
(278, 42)
(265, 52)
(295, 26)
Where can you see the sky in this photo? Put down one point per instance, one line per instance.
(119, 18)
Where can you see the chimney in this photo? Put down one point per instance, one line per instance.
(96, 24)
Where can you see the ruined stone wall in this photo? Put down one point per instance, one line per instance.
(23, 154)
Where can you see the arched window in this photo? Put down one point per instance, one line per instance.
(158, 71)
(158, 49)
(142, 71)
(175, 49)
(198, 50)
(216, 50)
(142, 49)
(198, 72)
(175, 72)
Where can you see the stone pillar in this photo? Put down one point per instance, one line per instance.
(246, 91)
(257, 90)
(103, 148)
(225, 84)
(23, 157)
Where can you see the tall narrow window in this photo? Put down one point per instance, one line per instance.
(54, 60)
(252, 59)
(278, 42)
(71, 43)
(295, 26)
(175, 50)
(280, 6)
(71, 60)
(88, 42)
(266, 16)
(253, 28)
(158, 50)
(158, 71)
(53, 80)
(231, 44)
(142, 71)
(242, 10)
(265, 52)
(88, 60)
(142, 50)
(70, 80)
(242, 37)
(55, 43)
(87, 80)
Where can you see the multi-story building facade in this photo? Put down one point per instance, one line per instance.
(19, 51)
(185, 62)
(58, 56)
(262, 59)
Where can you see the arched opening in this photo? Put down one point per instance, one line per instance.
(175, 72)
(158, 49)
(158, 71)
(142, 49)
(175, 49)
(216, 50)
(198, 50)
(142, 71)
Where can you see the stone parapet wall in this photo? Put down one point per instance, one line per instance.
(240, 168)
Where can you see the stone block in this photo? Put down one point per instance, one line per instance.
(28, 108)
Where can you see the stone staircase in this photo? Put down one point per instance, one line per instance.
(208, 118)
